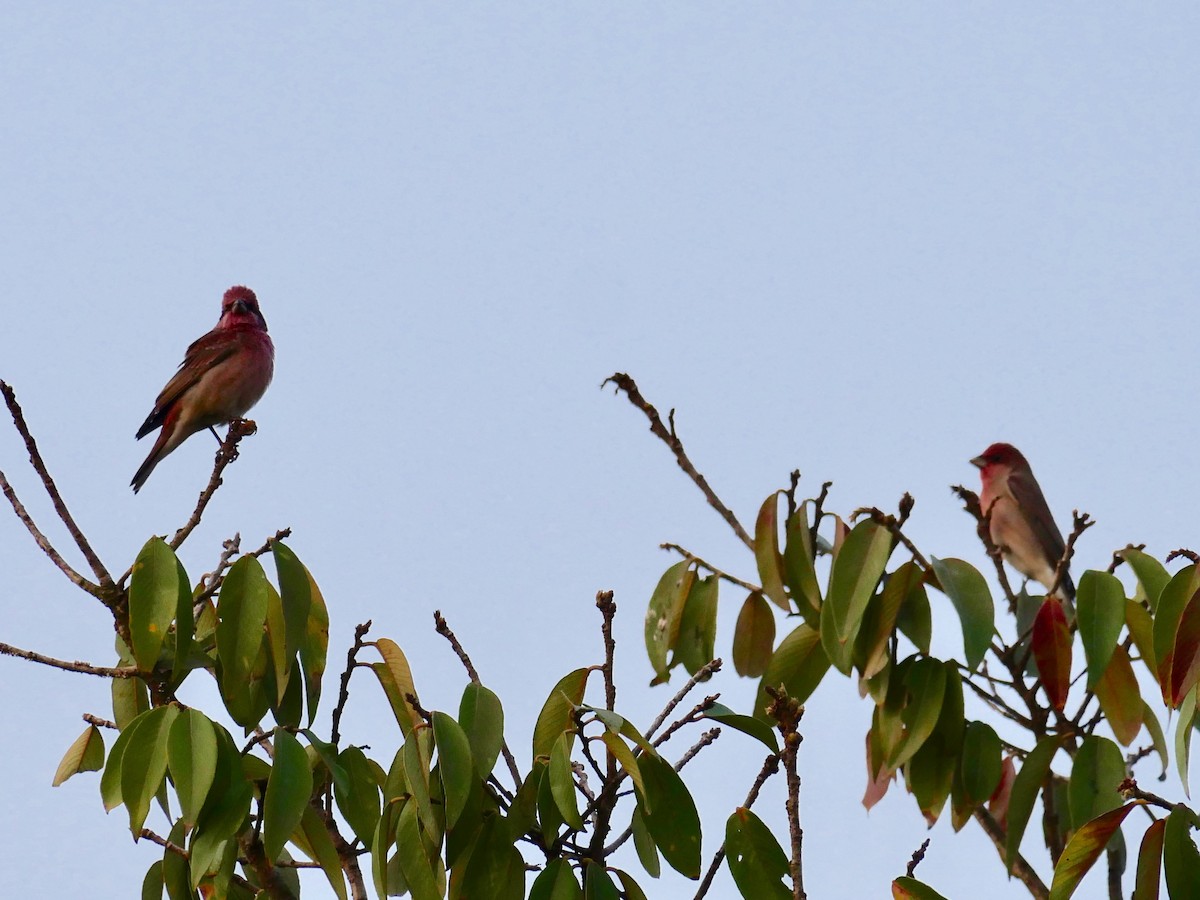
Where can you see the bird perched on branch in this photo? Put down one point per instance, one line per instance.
(1021, 523)
(223, 374)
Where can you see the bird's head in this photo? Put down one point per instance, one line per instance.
(240, 307)
(1000, 456)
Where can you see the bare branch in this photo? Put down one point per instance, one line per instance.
(702, 674)
(691, 557)
(360, 632)
(917, 857)
(769, 767)
(82, 667)
(39, 466)
(623, 382)
(99, 722)
(787, 714)
(443, 629)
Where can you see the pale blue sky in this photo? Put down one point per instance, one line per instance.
(862, 240)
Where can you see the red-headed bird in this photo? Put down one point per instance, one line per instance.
(222, 375)
(1022, 526)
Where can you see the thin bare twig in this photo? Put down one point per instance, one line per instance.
(702, 674)
(99, 722)
(769, 767)
(705, 739)
(623, 382)
(1130, 791)
(704, 564)
(81, 667)
(917, 857)
(227, 453)
(787, 713)
(694, 715)
(39, 466)
(1081, 522)
(360, 632)
(443, 628)
(179, 851)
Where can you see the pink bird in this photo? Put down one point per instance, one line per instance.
(222, 375)
(1022, 526)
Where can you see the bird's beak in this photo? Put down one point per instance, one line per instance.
(979, 462)
(241, 307)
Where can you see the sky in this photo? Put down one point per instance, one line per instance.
(861, 240)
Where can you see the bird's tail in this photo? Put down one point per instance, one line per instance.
(157, 452)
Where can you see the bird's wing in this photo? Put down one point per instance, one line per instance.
(204, 353)
(1032, 503)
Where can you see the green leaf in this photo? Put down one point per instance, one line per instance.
(908, 888)
(767, 555)
(395, 677)
(329, 756)
(981, 765)
(455, 765)
(411, 852)
(879, 622)
(915, 619)
(482, 718)
(359, 799)
(1025, 789)
(1120, 698)
(562, 781)
(1100, 613)
(620, 750)
(643, 843)
(1096, 773)
(153, 597)
(417, 754)
(323, 851)
(296, 596)
(242, 608)
(152, 884)
(86, 754)
(496, 868)
(289, 789)
(968, 591)
(1151, 574)
(1141, 629)
(663, 613)
(1084, 849)
(756, 728)
(1052, 651)
(1149, 865)
(558, 712)
(143, 763)
(799, 566)
(1183, 737)
(277, 650)
(630, 889)
(755, 859)
(176, 872)
(674, 823)
(556, 882)
(925, 682)
(185, 629)
(1157, 737)
(130, 699)
(697, 638)
(753, 636)
(1181, 862)
(798, 663)
(315, 645)
(852, 580)
(192, 757)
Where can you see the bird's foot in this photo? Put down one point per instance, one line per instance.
(244, 427)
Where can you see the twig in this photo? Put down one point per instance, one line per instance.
(226, 454)
(179, 851)
(1183, 552)
(608, 610)
(443, 628)
(702, 674)
(917, 858)
(411, 699)
(99, 722)
(360, 632)
(696, 714)
(787, 713)
(1080, 524)
(691, 557)
(705, 739)
(82, 667)
(1130, 791)
(35, 457)
(893, 524)
(769, 767)
(623, 382)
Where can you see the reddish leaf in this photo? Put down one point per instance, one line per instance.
(1149, 864)
(766, 552)
(1185, 659)
(1052, 651)
(1120, 698)
(998, 802)
(1084, 849)
(879, 776)
(753, 637)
